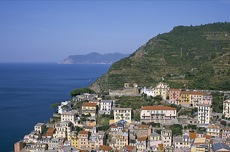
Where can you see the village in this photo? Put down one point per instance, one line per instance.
(164, 120)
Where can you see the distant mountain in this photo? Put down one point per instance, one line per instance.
(94, 58)
(195, 57)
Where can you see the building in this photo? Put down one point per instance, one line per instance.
(155, 113)
(200, 144)
(64, 107)
(154, 140)
(141, 144)
(225, 133)
(142, 130)
(220, 147)
(106, 107)
(226, 108)
(96, 139)
(18, 146)
(83, 139)
(103, 148)
(213, 131)
(161, 90)
(69, 116)
(89, 108)
(204, 114)
(185, 98)
(39, 127)
(166, 137)
(63, 130)
(174, 96)
(122, 114)
(148, 91)
(74, 139)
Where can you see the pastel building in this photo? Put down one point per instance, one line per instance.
(63, 130)
(213, 131)
(106, 106)
(162, 90)
(226, 108)
(83, 139)
(74, 139)
(122, 114)
(153, 113)
(89, 108)
(174, 96)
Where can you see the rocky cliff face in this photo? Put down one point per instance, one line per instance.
(195, 57)
(93, 58)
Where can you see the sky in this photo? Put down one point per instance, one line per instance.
(51, 30)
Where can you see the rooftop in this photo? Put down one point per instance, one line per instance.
(200, 140)
(87, 104)
(83, 132)
(107, 101)
(106, 148)
(157, 108)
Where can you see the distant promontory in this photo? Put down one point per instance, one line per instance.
(94, 58)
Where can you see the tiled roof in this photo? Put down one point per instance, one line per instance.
(127, 147)
(83, 132)
(213, 126)
(192, 135)
(141, 139)
(87, 104)
(106, 148)
(157, 108)
(143, 126)
(194, 93)
(172, 89)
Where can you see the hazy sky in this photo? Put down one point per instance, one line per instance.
(49, 31)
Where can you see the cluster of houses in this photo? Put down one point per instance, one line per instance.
(73, 133)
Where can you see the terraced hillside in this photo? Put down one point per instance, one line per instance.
(188, 57)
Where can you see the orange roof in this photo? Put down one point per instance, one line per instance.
(213, 126)
(157, 108)
(83, 132)
(207, 136)
(141, 139)
(143, 126)
(192, 135)
(113, 127)
(106, 148)
(51, 130)
(127, 147)
(194, 93)
(172, 89)
(87, 104)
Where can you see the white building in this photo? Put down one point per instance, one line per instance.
(69, 116)
(122, 114)
(166, 137)
(64, 107)
(226, 108)
(204, 114)
(39, 127)
(106, 106)
(152, 113)
(148, 91)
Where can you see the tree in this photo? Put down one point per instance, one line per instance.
(80, 91)
(176, 129)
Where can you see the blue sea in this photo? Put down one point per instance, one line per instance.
(28, 89)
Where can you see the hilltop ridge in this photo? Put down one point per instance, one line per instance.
(94, 58)
(187, 57)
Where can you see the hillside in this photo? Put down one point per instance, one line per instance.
(93, 58)
(188, 57)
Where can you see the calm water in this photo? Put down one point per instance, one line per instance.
(27, 90)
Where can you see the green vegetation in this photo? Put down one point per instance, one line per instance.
(80, 91)
(217, 102)
(176, 129)
(187, 57)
